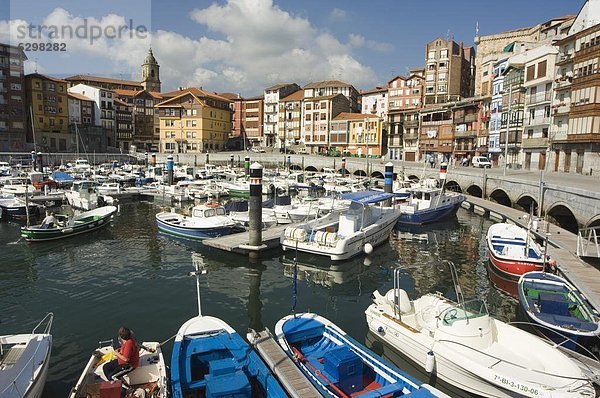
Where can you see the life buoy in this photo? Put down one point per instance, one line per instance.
(212, 204)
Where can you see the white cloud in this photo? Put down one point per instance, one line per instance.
(359, 41)
(255, 44)
(337, 14)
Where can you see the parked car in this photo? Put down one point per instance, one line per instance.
(481, 161)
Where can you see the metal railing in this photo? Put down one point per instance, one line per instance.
(587, 242)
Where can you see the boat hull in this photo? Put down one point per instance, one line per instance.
(192, 232)
(429, 215)
(513, 268)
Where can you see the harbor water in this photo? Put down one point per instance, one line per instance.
(131, 275)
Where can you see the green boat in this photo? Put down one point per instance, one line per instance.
(62, 227)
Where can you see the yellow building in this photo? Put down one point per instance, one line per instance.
(193, 120)
(49, 106)
(357, 134)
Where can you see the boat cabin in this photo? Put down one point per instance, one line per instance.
(207, 211)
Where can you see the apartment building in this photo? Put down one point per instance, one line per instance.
(272, 97)
(512, 114)
(125, 124)
(145, 120)
(47, 97)
(318, 112)
(436, 135)
(470, 121)
(194, 121)
(104, 112)
(357, 134)
(449, 71)
(405, 98)
(375, 101)
(253, 122)
(539, 75)
(575, 131)
(290, 120)
(236, 139)
(333, 87)
(13, 112)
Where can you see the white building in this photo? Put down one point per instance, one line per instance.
(375, 102)
(271, 113)
(539, 77)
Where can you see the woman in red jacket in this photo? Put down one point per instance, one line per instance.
(127, 356)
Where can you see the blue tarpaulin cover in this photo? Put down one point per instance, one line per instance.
(61, 176)
(366, 197)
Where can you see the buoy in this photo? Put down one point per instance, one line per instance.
(367, 262)
(380, 329)
(429, 362)
(368, 248)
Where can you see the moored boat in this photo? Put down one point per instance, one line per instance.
(210, 359)
(338, 365)
(24, 361)
(560, 311)
(63, 227)
(427, 204)
(460, 343)
(206, 221)
(512, 250)
(150, 376)
(341, 235)
(13, 207)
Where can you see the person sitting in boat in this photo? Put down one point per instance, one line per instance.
(127, 357)
(49, 221)
(551, 265)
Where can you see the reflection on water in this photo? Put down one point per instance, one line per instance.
(129, 274)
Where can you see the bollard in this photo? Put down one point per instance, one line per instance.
(207, 159)
(41, 162)
(289, 162)
(247, 165)
(170, 169)
(146, 159)
(231, 159)
(153, 159)
(195, 160)
(255, 205)
(343, 167)
(388, 181)
(334, 164)
(33, 161)
(443, 171)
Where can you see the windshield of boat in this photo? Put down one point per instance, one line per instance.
(220, 211)
(209, 213)
(468, 310)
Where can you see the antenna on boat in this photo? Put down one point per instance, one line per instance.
(197, 273)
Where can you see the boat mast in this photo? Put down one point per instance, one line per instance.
(32, 128)
(197, 274)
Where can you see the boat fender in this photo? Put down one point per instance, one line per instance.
(368, 248)
(429, 362)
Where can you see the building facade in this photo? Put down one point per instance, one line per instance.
(194, 121)
(13, 110)
(318, 112)
(124, 122)
(333, 87)
(357, 134)
(271, 114)
(49, 107)
(469, 120)
(290, 120)
(405, 98)
(104, 112)
(539, 76)
(449, 71)
(513, 101)
(253, 122)
(375, 102)
(145, 120)
(436, 135)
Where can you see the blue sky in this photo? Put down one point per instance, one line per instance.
(246, 45)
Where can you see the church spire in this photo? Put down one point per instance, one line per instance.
(150, 73)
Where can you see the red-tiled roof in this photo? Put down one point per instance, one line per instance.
(327, 83)
(40, 76)
(354, 116)
(101, 79)
(231, 96)
(79, 96)
(195, 91)
(295, 96)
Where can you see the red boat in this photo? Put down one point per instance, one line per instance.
(513, 251)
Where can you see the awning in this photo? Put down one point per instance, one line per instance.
(366, 197)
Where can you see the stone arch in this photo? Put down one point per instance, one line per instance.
(475, 190)
(561, 214)
(360, 173)
(453, 186)
(500, 196)
(526, 203)
(295, 167)
(594, 222)
(311, 168)
(344, 172)
(413, 178)
(377, 174)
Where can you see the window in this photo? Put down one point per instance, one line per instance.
(444, 54)
(530, 133)
(545, 132)
(541, 69)
(530, 72)
(431, 55)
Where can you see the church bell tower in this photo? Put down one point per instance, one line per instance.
(150, 73)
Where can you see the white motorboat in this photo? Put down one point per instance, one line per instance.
(109, 188)
(82, 165)
(150, 375)
(83, 195)
(18, 187)
(463, 345)
(341, 235)
(24, 361)
(427, 204)
(206, 221)
(5, 169)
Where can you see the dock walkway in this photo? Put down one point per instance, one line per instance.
(562, 246)
(291, 377)
(238, 243)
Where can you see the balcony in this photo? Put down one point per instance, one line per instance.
(411, 136)
(539, 98)
(471, 117)
(539, 142)
(465, 134)
(538, 121)
(562, 108)
(411, 123)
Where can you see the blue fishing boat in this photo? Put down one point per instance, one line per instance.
(427, 203)
(559, 310)
(339, 366)
(211, 360)
(206, 221)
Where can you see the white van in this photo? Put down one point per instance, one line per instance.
(481, 161)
